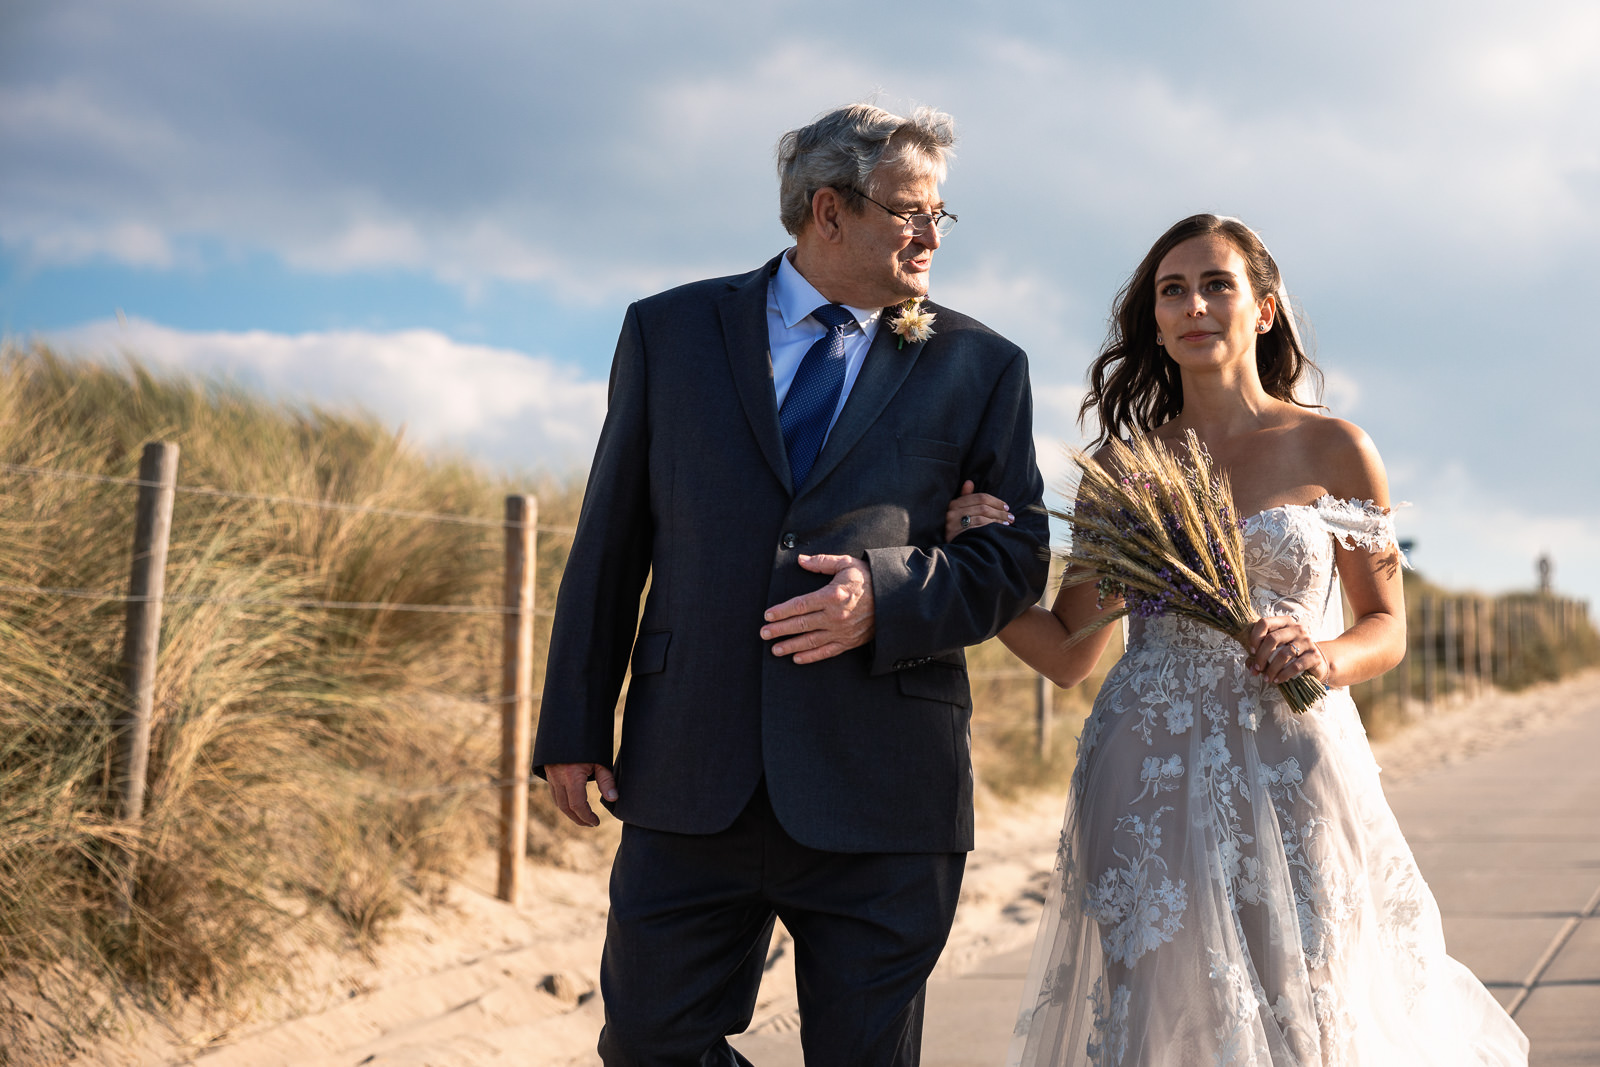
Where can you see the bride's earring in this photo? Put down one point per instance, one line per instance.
(1159, 342)
(1261, 327)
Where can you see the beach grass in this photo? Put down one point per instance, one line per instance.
(313, 772)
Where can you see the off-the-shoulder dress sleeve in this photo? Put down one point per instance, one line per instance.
(1359, 524)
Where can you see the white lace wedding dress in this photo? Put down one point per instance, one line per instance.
(1231, 886)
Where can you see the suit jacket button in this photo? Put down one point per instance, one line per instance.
(788, 540)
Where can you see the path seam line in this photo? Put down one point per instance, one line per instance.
(1551, 951)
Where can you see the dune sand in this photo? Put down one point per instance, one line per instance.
(478, 983)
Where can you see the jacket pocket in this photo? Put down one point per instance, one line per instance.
(930, 448)
(938, 680)
(650, 651)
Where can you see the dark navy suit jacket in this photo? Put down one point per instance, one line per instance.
(869, 751)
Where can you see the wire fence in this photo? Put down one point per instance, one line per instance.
(273, 498)
(121, 717)
(1462, 644)
(130, 720)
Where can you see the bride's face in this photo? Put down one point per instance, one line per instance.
(1206, 314)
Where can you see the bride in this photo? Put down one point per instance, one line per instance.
(1231, 886)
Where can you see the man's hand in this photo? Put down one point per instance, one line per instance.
(569, 789)
(834, 619)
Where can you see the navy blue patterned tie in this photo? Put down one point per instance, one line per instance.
(808, 406)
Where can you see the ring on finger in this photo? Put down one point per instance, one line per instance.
(1294, 650)
(966, 520)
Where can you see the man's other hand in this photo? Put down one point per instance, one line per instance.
(569, 789)
(834, 619)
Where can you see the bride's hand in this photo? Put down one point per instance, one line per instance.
(972, 509)
(1281, 648)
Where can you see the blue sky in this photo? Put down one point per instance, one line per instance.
(440, 212)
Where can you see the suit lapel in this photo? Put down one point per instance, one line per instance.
(743, 310)
(882, 373)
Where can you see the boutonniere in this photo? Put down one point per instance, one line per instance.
(913, 324)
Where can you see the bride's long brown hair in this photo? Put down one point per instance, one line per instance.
(1134, 386)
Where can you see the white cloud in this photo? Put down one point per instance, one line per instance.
(635, 149)
(1341, 392)
(519, 410)
(1055, 436)
(1468, 537)
(1432, 189)
(364, 243)
(1021, 301)
(1533, 73)
(137, 244)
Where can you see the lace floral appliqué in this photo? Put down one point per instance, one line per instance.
(1231, 886)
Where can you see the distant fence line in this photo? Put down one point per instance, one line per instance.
(1458, 645)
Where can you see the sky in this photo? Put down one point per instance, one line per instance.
(440, 212)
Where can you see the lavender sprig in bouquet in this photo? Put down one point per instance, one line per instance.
(1163, 534)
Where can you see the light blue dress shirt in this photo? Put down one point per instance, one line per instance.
(791, 331)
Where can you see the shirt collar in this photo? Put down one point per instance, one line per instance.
(798, 298)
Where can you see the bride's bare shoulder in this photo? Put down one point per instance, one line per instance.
(1347, 461)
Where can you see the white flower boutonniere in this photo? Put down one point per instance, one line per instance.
(913, 324)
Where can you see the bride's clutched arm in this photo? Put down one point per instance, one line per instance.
(1039, 636)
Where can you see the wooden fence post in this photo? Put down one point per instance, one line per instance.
(1452, 658)
(1502, 641)
(1044, 711)
(1429, 654)
(516, 691)
(1469, 645)
(141, 643)
(1517, 626)
(1483, 638)
(1403, 681)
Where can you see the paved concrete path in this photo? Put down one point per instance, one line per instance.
(1509, 841)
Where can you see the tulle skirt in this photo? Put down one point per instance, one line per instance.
(1232, 888)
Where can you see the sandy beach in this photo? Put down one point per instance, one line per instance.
(478, 983)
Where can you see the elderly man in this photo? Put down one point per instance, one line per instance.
(777, 458)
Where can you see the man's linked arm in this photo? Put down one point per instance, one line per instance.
(597, 609)
(933, 601)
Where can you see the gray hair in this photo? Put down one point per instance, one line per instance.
(842, 149)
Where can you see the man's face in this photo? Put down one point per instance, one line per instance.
(880, 262)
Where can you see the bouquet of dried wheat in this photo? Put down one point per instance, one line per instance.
(1162, 533)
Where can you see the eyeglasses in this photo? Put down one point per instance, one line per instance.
(917, 224)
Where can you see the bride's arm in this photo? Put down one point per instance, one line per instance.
(1376, 640)
(1039, 636)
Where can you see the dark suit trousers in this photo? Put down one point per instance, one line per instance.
(691, 917)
